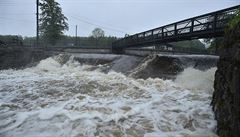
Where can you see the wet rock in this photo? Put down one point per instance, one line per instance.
(169, 66)
(226, 97)
(156, 66)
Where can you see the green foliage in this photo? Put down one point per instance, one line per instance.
(236, 20)
(11, 40)
(215, 45)
(232, 32)
(104, 42)
(192, 45)
(29, 41)
(98, 33)
(52, 21)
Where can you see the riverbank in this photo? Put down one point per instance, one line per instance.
(226, 97)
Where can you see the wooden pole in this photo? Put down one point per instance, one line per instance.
(37, 22)
(76, 42)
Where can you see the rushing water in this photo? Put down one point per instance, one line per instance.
(73, 100)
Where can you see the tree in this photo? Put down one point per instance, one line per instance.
(97, 34)
(232, 31)
(235, 21)
(190, 45)
(11, 40)
(216, 43)
(52, 21)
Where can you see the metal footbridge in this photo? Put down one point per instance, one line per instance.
(209, 25)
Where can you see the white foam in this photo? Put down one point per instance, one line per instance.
(194, 79)
(54, 99)
(48, 64)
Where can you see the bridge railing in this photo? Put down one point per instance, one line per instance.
(212, 23)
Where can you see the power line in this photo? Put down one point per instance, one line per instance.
(101, 22)
(93, 24)
(86, 21)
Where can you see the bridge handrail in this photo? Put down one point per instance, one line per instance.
(214, 20)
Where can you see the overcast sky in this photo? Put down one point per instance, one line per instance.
(115, 17)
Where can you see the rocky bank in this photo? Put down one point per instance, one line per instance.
(226, 97)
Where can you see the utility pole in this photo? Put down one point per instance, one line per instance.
(37, 22)
(76, 37)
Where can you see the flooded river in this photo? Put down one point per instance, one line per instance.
(73, 100)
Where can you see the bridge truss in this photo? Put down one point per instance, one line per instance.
(204, 26)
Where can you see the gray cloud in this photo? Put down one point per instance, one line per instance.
(116, 17)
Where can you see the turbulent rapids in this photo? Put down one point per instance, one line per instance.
(65, 98)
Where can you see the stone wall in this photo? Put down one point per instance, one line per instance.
(226, 97)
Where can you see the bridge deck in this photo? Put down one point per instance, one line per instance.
(204, 26)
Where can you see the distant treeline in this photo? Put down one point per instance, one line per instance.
(75, 41)
(12, 40)
(190, 45)
(64, 41)
(101, 42)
